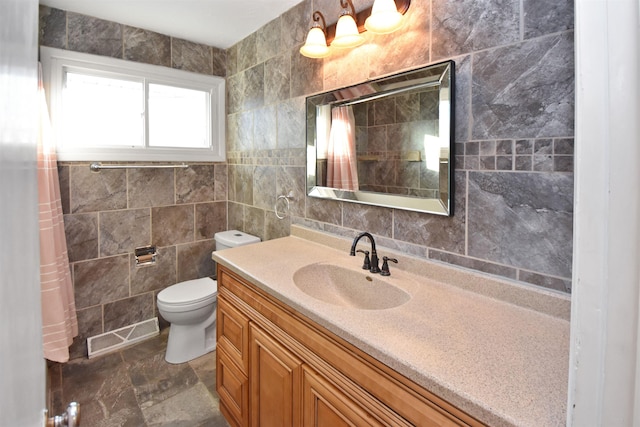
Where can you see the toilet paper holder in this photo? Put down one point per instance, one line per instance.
(145, 255)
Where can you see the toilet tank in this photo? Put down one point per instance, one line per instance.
(233, 238)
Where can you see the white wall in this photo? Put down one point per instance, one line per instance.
(22, 369)
(603, 385)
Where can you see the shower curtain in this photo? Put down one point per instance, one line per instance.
(342, 166)
(59, 321)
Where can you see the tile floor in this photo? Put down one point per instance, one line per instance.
(135, 387)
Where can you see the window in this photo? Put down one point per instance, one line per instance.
(109, 109)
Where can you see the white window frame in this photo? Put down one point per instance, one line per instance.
(54, 63)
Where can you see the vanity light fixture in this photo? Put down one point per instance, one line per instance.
(316, 44)
(385, 16)
(347, 34)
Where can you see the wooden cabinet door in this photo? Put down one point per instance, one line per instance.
(324, 405)
(275, 382)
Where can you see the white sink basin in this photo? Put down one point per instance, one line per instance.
(349, 288)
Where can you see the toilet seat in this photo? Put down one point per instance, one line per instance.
(190, 295)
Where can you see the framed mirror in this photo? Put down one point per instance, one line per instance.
(385, 142)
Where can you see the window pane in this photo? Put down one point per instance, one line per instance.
(178, 117)
(102, 112)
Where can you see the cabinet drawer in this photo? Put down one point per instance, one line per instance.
(233, 388)
(232, 331)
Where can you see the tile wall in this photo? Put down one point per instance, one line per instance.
(514, 131)
(514, 150)
(110, 213)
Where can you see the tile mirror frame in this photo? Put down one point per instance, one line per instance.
(421, 102)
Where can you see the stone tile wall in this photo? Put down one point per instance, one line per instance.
(110, 213)
(514, 149)
(514, 131)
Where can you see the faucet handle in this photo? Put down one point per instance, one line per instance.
(367, 262)
(385, 265)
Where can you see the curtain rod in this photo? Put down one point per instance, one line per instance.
(97, 166)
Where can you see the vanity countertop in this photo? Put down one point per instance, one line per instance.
(495, 349)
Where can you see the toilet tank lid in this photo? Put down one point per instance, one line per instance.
(190, 291)
(233, 238)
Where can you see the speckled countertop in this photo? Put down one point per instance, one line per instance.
(496, 349)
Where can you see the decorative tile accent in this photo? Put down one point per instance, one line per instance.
(539, 155)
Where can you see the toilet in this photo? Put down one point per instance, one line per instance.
(190, 307)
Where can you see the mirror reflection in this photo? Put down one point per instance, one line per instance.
(385, 142)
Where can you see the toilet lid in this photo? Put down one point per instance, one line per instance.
(191, 291)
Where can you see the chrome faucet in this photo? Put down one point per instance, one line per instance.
(374, 255)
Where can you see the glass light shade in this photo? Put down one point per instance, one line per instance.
(347, 34)
(384, 18)
(316, 44)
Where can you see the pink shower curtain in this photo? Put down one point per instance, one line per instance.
(59, 321)
(342, 166)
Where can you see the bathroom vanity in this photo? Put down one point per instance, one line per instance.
(458, 348)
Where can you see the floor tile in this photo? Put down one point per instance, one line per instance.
(136, 387)
(192, 407)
